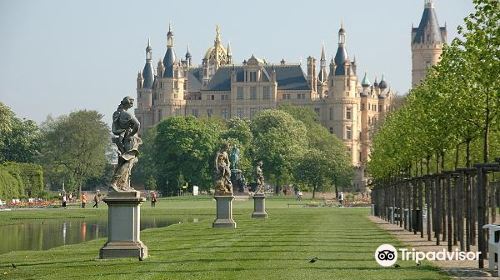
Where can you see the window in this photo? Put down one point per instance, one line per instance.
(348, 113)
(253, 93)
(253, 76)
(348, 132)
(286, 96)
(239, 113)
(212, 97)
(380, 108)
(239, 93)
(331, 130)
(210, 112)
(362, 106)
(266, 92)
(224, 97)
(194, 112)
(253, 111)
(176, 95)
(331, 115)
(301, 96)
(223, 114)
(176, 85)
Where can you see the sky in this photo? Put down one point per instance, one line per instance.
(59, 56)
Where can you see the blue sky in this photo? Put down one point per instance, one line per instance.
(58, 56)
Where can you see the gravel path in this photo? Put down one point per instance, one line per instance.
(466, 270)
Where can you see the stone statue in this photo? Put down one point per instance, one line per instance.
(223, 185)
(125, 127)
(259, 178)
(235, 157)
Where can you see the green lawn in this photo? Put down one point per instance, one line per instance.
(343, 240)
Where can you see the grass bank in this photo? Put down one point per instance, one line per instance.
(342, 239)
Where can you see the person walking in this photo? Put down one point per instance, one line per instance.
(84, 200)
(64, 200)
(96, 201)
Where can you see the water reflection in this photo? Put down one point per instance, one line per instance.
(45, 234)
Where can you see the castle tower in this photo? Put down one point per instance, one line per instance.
(427, 42)
(343, 101)
(145, 80)
(168, 90)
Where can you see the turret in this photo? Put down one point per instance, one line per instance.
(147, 72)
(188, 57)
(170, 59)
(427, 42)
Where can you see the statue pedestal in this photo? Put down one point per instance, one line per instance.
(224, 217)
(124, 218)
(259, 206)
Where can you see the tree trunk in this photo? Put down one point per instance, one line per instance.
(486, 130)
(314, 191)
(456, 155)
(467, 153)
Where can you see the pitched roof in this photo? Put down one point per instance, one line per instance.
(148, 76)
(428, 31)
(289, 77)
(194, 76)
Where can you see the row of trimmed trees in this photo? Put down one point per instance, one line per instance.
(293, 146)
(452, 119)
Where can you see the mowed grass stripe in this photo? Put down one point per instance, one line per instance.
(280, 247)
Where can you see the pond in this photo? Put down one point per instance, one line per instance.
(43, 234)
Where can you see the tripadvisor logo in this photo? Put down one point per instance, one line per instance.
(386, 255)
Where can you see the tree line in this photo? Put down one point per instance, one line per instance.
(70, 152)
(452, 118)
(74, 152)
(293, 146)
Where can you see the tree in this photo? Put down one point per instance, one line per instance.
(184, 150)
(279, 141)
(74, 148)
(340, 170)
(19, 139)
(314, 169)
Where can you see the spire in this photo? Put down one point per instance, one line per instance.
(217, 34)
(365, 82)
(341, 56)
(170, 37)
(322, 76)
(323, 52)
(147, 72)
(383, 83)
(428, 31)
(149, 51)
(170, 57)
(229, 53)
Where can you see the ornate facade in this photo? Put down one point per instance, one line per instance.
(346, 106)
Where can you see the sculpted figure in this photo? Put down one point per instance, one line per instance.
(125, 127)
(235, 157)
(259, 178)
(223, 185)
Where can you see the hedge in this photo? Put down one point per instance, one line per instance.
(20, 180)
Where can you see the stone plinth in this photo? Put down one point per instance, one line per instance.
(224, 217)
(259, 206)
(124, 220)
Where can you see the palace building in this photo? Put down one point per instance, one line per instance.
(219, 87)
